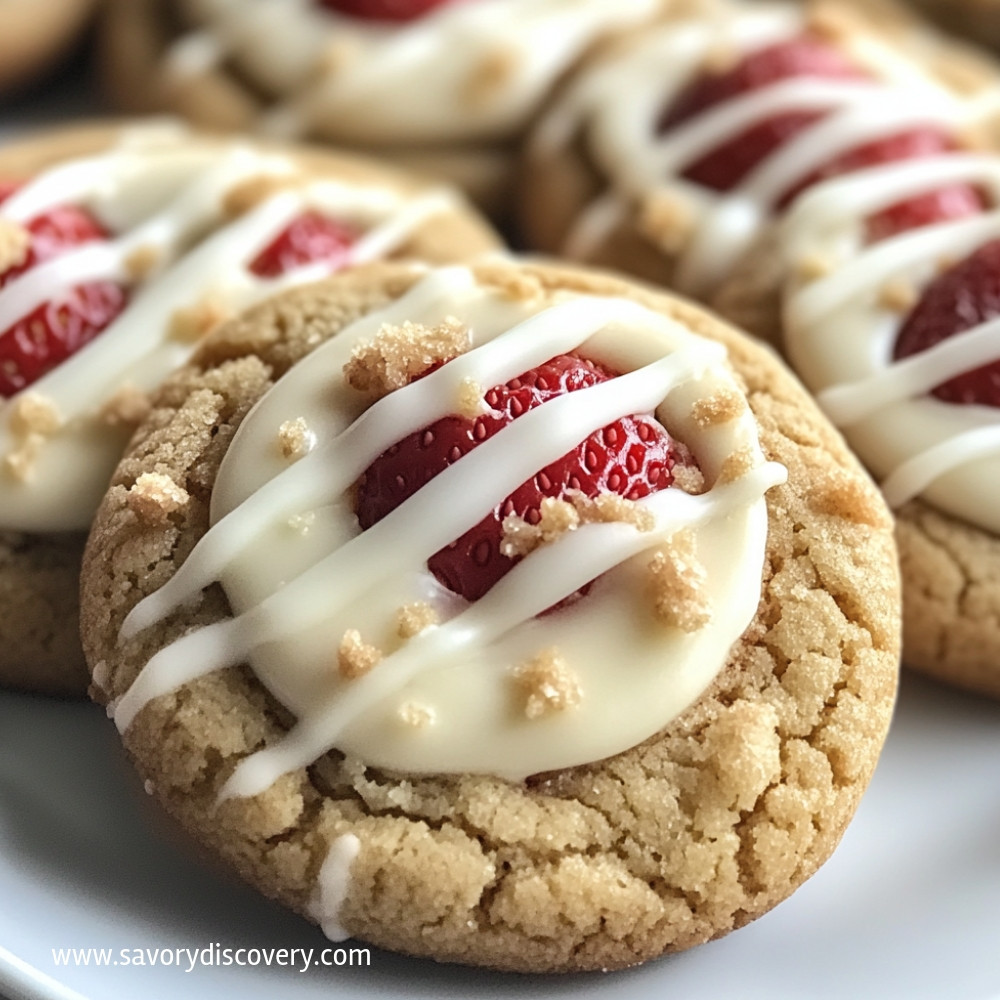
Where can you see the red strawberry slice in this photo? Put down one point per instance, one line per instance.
(307, 240)
(806, 56)
(56, 329)
(384, 10)
(963, 297)
(632, 457)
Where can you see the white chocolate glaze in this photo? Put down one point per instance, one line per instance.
(295, 594)
(332, 883)
(840, 336)
(166, 198)
(616, 107)
(470, 70)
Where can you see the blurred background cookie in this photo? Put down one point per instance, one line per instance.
(35, 33)
(670, 154)
(447, 86)
(120, 247)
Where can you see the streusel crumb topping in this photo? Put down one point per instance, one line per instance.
(355, 657)
(678, 585)
(549, 683)
(155, 496)
(15, 241)
(399, 354)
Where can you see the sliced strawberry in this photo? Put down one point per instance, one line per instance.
(806, 56)
(384, 10)
(632, 457)
(963, 297)
(58, 328)
(803, 56)
(310, 238)
(952, 202)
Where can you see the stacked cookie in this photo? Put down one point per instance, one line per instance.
(824, 175)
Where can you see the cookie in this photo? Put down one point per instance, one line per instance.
(35, 33)
(439, 85)
(898, 339)
(670, 154)
(619, 709)
(150, 236)
(845, 280)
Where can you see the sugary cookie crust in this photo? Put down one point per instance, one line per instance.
(951, 607)
(681, 839)
(39, 574)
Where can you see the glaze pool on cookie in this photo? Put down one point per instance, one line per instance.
(191, 220)
(321, 577)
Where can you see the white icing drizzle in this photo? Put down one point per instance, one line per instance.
(332, 884)
(617, 106)
(840, 336)
(295, 596)
(166, 198)
(469, 71)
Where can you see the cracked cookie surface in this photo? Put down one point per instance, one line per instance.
(681, 839)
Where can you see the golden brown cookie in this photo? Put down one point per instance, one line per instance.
(669, 153)
(443, 87)
(152, 235)
(34, 33)
(585, 789)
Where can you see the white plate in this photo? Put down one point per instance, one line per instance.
(909, 906)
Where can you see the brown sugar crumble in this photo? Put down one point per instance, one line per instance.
(399, 354)
(737, 465)
(721, 57)
(814, 266)
(412, 619)
(549, 684)
(833, 21)
(295, 440)
(141, 262)
(33, 419)
(302, 523)
(418, 716)
(719, 408)
(15, 241)
(510, 282)
(355, 658)
(250, 193)
(190, 324)
(677, 585)
(126, 408)
(470, 401)
(34, 413)
(154, 497)
(490, 75)
(557, 516)
(898, 295)
(667, 220)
